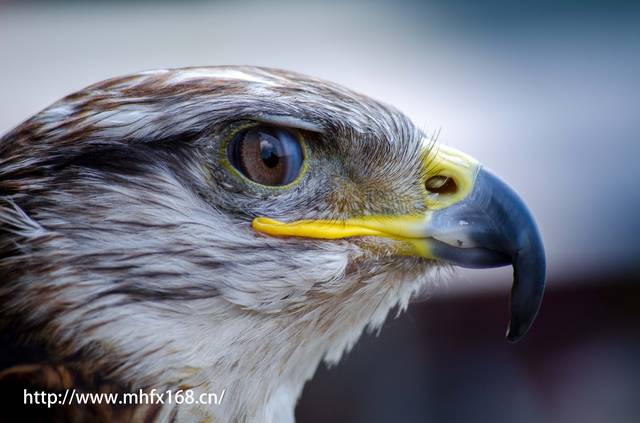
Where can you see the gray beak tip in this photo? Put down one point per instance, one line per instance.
(528, 288)
(499, 230)
(515, 333)
(512, 337)
(505, 232)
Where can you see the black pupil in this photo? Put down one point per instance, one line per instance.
(268, 151)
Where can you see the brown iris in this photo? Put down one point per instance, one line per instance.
(267, 155)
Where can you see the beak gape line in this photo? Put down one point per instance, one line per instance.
(482, 223)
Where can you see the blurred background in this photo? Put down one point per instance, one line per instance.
(546, 93)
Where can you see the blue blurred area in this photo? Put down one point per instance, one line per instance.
(546, 93)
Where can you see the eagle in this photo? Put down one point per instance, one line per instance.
(224, 230)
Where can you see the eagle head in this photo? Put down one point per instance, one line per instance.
(228, 228)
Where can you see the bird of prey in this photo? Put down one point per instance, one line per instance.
(228, 228)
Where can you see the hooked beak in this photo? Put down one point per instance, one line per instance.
(473, 219)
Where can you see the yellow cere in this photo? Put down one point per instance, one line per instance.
(454, 164)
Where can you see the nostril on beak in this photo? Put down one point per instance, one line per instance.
(440, 184)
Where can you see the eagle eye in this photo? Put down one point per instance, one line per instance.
(267, 155)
